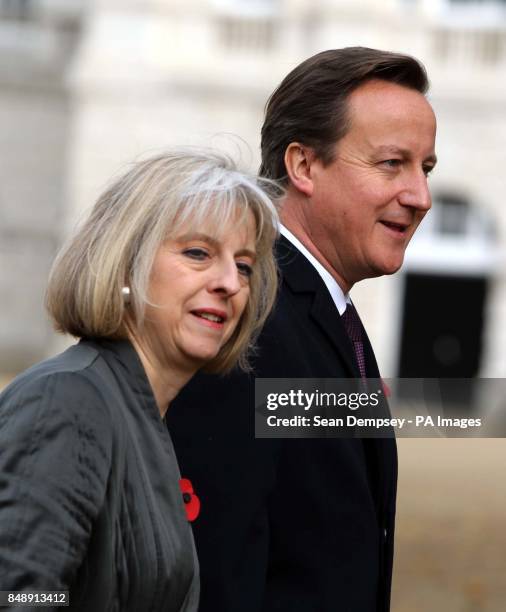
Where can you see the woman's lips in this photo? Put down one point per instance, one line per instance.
(211, 317)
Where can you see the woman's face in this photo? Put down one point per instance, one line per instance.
(200, 285)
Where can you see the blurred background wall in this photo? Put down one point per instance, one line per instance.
(88, 85)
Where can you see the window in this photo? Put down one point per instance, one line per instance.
(453, 214)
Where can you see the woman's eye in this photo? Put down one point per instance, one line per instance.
(244, 269)
(196, 253)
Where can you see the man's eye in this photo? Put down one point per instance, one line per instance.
(392, 163)
(427, 170)
(196, 253)
(244, 269)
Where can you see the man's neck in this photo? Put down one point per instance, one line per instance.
(292, 221)
(339, 298)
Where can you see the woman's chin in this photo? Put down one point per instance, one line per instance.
(199, 356)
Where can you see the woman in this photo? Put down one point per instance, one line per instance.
(173, 270)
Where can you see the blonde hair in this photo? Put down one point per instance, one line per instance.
(117, 244)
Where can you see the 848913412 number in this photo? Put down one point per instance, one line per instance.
(34, 598)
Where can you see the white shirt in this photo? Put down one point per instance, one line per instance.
(336, 293)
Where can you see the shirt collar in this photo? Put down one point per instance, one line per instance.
(336, 293)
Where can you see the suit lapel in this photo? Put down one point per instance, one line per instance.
(325, 315)
(371, 365)
(299, 274)
(381, 454)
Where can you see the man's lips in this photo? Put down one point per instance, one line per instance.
(212, 317)
(396, 226)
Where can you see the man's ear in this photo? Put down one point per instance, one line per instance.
(298, 159)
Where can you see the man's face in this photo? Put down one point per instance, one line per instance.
(366, 205)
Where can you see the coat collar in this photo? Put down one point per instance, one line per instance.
(121, 354)
(301, 277)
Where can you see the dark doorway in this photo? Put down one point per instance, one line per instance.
(441, 331)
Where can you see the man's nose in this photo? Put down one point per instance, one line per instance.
(416, 193)
(225, 278)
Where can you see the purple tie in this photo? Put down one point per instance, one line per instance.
(353, 328)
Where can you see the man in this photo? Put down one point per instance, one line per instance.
(305, 525)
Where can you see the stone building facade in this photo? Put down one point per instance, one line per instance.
(102, 82)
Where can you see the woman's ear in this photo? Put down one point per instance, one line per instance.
(298, 159)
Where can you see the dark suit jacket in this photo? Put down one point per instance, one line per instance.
(294, 525)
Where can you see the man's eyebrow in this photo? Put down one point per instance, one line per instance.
(395, 150)
(432, 159)
(391, 149)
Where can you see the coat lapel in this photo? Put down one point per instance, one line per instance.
(300, 275)
(381, 454)
(324, 314)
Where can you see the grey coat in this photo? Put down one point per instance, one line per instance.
(89, 486)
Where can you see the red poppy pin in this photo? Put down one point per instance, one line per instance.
(190, 499)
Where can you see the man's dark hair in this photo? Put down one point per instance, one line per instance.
(310, 104)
